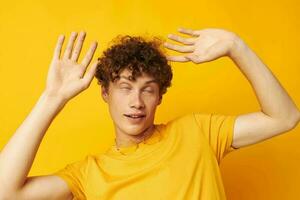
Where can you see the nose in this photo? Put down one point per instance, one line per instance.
(136, 101)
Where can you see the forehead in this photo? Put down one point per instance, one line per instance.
(144, 78)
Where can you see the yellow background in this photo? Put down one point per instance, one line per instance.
(28, 33)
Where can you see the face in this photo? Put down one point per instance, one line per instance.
(132, 103)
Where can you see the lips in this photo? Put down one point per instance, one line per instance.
(135, 115)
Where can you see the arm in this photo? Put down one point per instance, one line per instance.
(66, 78)
(278, 112)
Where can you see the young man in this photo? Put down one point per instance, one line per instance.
(177, 160)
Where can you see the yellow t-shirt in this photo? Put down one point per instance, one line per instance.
(180, 161)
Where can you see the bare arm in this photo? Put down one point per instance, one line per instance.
(66, 79)
(17, 156)
(278, 111)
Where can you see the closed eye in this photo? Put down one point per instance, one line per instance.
(149, 91)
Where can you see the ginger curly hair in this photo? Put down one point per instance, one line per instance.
(138, 55)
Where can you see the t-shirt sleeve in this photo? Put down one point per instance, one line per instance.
(74, 175)
(218, 129)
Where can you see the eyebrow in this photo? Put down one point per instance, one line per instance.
(147, 82)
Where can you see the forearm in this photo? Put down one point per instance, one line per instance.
(274, 100)
(17, 156)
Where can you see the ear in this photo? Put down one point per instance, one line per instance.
(104, 93)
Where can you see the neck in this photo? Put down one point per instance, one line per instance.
(123, 139)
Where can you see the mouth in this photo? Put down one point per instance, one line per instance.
(135, 116)
(135, 119)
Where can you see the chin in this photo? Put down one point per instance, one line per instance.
(135, 129)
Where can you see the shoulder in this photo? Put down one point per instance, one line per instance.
(190, 119)
(189, 122)
(201, 121)
(80, 165)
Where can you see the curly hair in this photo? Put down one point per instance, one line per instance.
(139, 56)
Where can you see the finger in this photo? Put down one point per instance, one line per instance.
(189, 31)
(89, 75)
(78, 46)
(89, 55)
(183, 49)
(201, 59)
(187, 41)
(69, 47)
(58, 46)
(194, 58)
(177, 58)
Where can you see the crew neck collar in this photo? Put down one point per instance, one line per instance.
(137, 148)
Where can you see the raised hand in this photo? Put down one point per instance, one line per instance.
(203, 45)
(66, 77)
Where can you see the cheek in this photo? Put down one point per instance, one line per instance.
(152, 100)
(118, 103)
(151, 105)
(117, 96)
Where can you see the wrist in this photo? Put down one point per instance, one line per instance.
(53, 99)
(237, 47)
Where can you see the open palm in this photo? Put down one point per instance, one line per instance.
(66, 77)
(204, 45)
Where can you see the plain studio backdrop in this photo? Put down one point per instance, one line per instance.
(28, 34)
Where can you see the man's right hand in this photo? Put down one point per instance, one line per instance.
(66, 77)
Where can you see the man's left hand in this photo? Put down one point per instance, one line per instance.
(203, 46)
